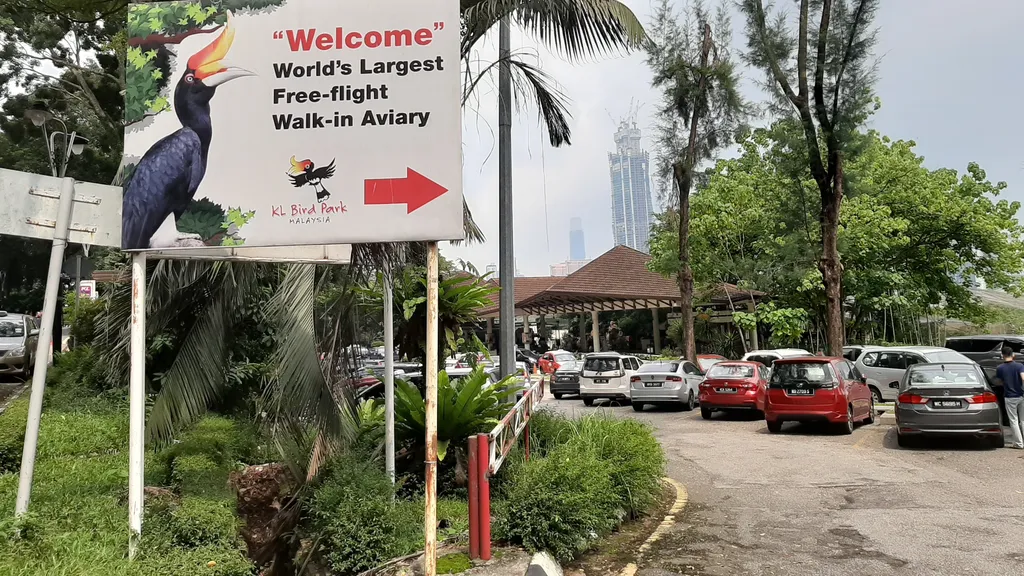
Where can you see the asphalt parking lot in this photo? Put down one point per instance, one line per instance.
(807, 501)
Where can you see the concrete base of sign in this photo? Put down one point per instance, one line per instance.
(543, 564)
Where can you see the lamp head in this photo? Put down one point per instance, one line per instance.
(78, 144)
(38, 115)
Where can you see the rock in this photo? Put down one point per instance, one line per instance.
(417, 566)
(543, 564)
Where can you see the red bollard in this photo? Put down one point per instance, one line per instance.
(484, 487)
(474, 500)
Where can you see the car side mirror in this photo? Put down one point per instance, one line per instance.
(34, 332)
(863, 379)
(894, 384)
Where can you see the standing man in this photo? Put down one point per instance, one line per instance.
(1011, 373)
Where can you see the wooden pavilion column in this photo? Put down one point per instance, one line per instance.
(595, 331)
(657, 331)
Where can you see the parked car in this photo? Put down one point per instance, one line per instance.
(706, 361)
(566, 379)
(18, 336)
(675, 382)
(885, 367)
(550, 361)
(947, 399)
(816, 388)
(527, 357)
(986, 350)
(853, 352)
(733, 386)
(606, 375)
(768, 357)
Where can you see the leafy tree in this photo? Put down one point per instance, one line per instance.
(701, 111)
(829, 111)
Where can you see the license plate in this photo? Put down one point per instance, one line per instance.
(652, 384)
(600, 380)
(946, 403)
(564, 379)
(800, 392)
(725, 390)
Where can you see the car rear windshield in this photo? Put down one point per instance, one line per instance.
(945, 375)
(601, 364)
(973, 344)
(733, 371)
(806, 372)
(659, 367)
(564, 357)
(763, 359)
(12, 329)
(946, 356)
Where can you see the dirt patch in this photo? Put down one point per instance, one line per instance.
(613, 553)
(262, 491)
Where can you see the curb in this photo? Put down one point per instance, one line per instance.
(542, 564)
(682, 497)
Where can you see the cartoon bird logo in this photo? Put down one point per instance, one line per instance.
(304, 172)
(167, 177)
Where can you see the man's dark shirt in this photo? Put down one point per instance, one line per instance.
(1009, 373)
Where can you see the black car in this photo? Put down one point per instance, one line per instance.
(566, 380)
(986, 350)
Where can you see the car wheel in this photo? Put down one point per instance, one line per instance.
(705, 413)
(638, 407)
(691, 402)
(876, 395)
(998, 441)
(588, 401)
(871, 413)
(847, 427)
(903, 441)
(775, 426)
(557, 395)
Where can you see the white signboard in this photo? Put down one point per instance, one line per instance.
(28, 207)
(87, 289)
(302, 123)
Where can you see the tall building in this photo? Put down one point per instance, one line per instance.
(577, 247)
(567, 267)
(632, 206)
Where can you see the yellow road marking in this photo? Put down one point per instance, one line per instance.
(681, 499)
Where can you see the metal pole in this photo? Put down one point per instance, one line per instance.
(137, 403)
(506, 251)
(49, 150)
(389, 374)
(78, 291)
(430, 364)
(45, 337)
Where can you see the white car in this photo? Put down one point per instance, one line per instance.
(605, 375)
(768, 357)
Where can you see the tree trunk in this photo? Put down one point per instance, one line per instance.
(830, 266)
(683, 183)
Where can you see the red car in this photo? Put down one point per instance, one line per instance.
(733, 386)
(808, 389)
(550, 361)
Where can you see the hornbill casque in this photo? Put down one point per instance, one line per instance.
(167, 177)
(305, 172)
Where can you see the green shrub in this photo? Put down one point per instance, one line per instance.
(76, 434)
(561, 503)
(199, 475)
(12, 434)
(354, 513)
(197, 522)
(82, 323)
(549, 429)
(633, 457)
(453, 563)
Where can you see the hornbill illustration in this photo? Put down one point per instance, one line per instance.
(167, 177)
(304, 172)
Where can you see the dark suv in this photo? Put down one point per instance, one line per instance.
(986, 350)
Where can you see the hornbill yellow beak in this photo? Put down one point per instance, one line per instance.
(209, 64)
(296, 167)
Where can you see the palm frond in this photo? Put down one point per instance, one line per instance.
(577, 29)
(552, 104)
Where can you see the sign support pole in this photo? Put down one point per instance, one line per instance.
(506, 248)
(42, 353)
(430, 365)
(389, 374)
(137, 407)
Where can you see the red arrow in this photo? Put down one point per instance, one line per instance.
(415, 190)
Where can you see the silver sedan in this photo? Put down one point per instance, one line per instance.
(947, 399)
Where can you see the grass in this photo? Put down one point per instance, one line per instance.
(453, 563)
(78, 521)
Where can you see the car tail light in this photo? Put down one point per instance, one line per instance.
(748, 385)
(674, 378)
(705, 386)
(634, 378)
(986, 398)
(911, 399)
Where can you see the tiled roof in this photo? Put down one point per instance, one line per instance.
(525, 287)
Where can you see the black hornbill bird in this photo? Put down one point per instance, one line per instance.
(305, 172)
(167, 177)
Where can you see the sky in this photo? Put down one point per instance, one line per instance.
(947, 80)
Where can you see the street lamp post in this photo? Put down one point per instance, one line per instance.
(74, 144)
